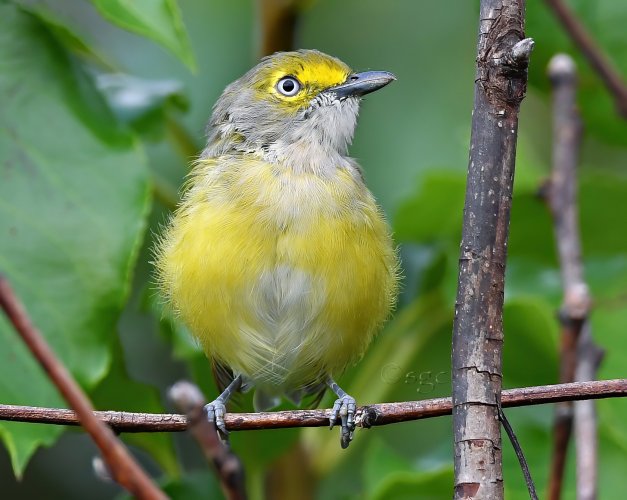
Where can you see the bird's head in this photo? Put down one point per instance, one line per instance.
(304, 97)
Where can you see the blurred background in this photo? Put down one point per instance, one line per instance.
(103, 105)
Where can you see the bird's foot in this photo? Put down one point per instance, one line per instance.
(344, 410)
(217, 408)
(215, 414)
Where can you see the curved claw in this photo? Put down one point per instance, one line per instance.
(215, 413)
(344, 409)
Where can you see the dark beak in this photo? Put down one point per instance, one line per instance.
(360, 84)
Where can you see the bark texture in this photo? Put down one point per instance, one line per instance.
(500, 85)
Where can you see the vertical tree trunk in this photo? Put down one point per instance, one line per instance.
(500, 85)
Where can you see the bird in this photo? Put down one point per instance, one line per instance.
(278, 259)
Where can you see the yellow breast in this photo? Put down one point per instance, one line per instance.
(283, 276)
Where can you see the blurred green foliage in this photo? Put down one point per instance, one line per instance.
(99, 108)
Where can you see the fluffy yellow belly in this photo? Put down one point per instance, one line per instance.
(283, 277)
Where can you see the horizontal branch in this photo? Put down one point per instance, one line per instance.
(367, 416)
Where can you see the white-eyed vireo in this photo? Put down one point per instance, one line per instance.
(278, 258)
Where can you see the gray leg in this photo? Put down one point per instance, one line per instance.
(344, 408)
(217, 408)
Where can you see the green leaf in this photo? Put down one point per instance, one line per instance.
(532, 262)
(531, 327)
(198, 485)
(159, 20)
(69, 34)
(601, 198)
(73, 202)
(396, 481)
(258, 449)
(194, 485)
(140, 102)
(608, 327)
(531, 230)
(433, 485)
(382, 462)
(435, 212)
(612, 462)
(22, 440)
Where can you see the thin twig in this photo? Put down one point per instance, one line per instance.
(562, 429)
(586, 440)
(188, 399)
(595, 56)
(367, 416)
(580, 357)
(560, 194)
(519, 453)
(500, 84)
(124, 470)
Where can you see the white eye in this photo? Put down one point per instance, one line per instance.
(288, 86)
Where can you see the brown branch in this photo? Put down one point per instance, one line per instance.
(500, 85)
(278, 25)
(579, 356)
(595, 56)
(367, 416)
(124, 470)
(229, 469)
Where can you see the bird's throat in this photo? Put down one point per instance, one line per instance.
(306, 157)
